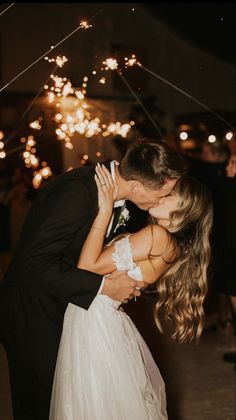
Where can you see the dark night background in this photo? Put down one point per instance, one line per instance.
(210, 26)
(171, 39)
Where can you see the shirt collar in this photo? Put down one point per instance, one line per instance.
(118, 203)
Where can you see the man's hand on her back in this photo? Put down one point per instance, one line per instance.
(119, 286)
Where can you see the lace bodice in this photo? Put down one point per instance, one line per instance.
(123, 259)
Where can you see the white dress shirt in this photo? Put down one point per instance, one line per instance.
(116, 204)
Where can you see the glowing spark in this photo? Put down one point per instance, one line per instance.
(111, 63)
(35, 125)
(58, 117)
(102, 80)
(84, 24)
(130, 62)
(67, 89)
(2, 155)
(69, 145)
(61, 60)
(51, 97)
(94, 72)
(37, 179)
(79, 94)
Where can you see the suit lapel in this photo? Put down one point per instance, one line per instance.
(116, 213)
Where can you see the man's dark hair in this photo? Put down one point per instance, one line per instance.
(152, 163)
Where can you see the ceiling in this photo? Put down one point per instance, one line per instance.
(210, 26)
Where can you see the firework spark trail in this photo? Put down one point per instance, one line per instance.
(50, 50)
(187, 95)
(140, 103)
(8, 7)
(22, 118)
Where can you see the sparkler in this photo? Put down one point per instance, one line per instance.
(130, 62)
(8, 7)
(68, 123)
(133, 61)
(22, 118)
(81, 26)
(112, 64)
(141, 104)
(80, 120)
(84, 24)
(187, 95)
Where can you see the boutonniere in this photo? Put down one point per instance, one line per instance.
(123, 218)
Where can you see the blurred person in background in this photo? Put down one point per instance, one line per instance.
(227, 252)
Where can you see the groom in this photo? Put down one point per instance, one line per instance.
(43, 278)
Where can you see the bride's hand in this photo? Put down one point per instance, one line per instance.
(107, 190)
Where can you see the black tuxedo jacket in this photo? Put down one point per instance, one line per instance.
(43, 278)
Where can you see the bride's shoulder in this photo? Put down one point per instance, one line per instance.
(159, 231)
(162, 242)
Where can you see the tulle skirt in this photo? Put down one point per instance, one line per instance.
(104, 369)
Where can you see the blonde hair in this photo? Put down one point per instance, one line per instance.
(182, 289)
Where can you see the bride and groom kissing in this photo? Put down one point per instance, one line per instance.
(72, 351)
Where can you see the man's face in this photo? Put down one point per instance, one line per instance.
(146, 198)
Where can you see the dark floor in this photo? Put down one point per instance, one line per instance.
(199, 384)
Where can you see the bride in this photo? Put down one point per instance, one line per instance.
(104, 369)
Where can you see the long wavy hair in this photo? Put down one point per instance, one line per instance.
(183, 287)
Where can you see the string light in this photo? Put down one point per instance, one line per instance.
(212, 138)
(183, 135)
(229, 135)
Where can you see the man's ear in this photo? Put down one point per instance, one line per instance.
(135, 186)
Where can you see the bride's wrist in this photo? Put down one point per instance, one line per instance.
(105, 213)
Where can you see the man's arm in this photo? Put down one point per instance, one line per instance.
(46, 268)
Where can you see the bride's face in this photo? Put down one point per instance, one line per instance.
(146, 198)
(165, 206)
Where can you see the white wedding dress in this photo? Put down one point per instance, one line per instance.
(105, 370)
